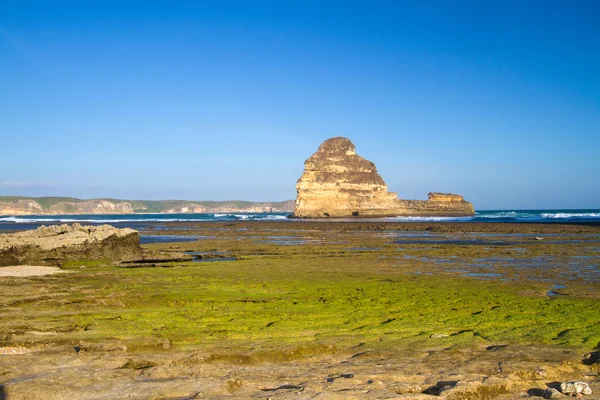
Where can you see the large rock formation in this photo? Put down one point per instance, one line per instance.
(51, 245)
(338, 183)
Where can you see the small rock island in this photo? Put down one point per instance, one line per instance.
(338, 183)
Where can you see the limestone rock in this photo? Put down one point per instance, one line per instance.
(575, 388)
(55, 243)
(339, 183)
(445, 197)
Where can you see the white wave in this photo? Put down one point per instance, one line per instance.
(570, 215)
(275, 217)
(251, 217)
(520, 216)
(230, 215)
(25, 220)
(440, 219)
(504, 214)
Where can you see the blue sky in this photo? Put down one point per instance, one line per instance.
(498, 101)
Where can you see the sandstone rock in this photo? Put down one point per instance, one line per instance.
(53, 244)
(338, 183)
(445, 197)
(552, 393)
(574, 388)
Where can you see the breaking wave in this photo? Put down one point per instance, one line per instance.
(425, 219)
(514, 216)
(114, 219)
(538, 216)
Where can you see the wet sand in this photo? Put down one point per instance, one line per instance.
(29, 270)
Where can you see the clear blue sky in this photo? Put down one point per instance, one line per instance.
(214, 100)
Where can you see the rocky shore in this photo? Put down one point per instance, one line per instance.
(320, 310)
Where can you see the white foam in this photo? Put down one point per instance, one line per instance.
(440, 219)
(504, 214)
(570, 215)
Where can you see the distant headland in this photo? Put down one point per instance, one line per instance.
(13, 205)
(338, 183)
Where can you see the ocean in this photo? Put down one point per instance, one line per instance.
(480, 216)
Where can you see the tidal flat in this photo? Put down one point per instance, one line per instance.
(313, 310)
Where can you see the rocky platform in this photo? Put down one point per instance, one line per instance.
(51, 245)
(338, 183)
(105, 372)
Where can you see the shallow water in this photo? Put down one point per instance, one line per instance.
(148, 239)
(471, 242)
(482, 275)
(554, 290)
(215, 259)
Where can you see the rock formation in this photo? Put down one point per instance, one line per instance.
(574, 388)
(50, 245)
(338, 183)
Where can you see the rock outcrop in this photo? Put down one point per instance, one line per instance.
(574, 388)
(51, 245)
(338, 183)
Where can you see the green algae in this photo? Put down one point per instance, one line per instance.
(300, 300)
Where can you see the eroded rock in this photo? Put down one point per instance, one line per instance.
(574, 388)
(338, 183)
(51, 245)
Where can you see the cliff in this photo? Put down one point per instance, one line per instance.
(68, 205)
(338, 183)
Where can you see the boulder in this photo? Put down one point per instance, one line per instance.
(338, 183)
(50, 245)
(574, 388)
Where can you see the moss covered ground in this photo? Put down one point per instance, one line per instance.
(338, 289)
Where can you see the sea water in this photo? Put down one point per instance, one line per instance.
(21, 222)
